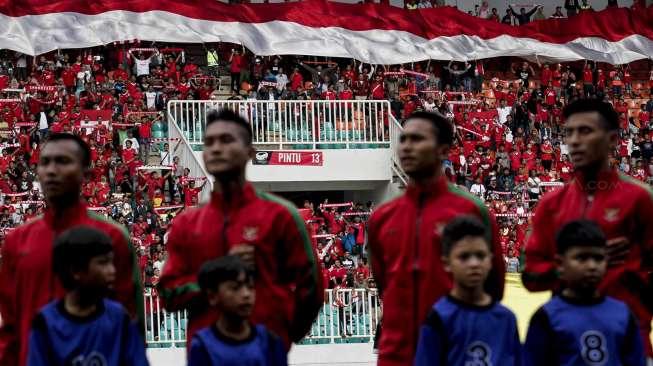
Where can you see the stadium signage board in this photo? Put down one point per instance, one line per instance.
(288, 157)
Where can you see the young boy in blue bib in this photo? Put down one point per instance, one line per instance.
(84, 328)
(579, 326)
(228, 284)
(468, 327)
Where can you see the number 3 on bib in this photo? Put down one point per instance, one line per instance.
(479, 354)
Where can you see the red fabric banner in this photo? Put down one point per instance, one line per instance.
(611, 24)
(96, 115)
(483, 116)
(616, 35)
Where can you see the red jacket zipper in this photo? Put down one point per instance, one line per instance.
(418, 224)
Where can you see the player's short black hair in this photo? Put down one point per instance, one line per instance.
(83, 146)
(441, 124)
(605, 110)
(74, 249)
(579, 233)
(227, 115)
(217, 271)
(460, 227)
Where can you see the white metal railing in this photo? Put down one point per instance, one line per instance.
(395, 134)
(187, 157)
(162, 328)
(312, 124)
(352, 319)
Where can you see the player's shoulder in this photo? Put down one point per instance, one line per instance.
(637, 189)
(114, 307)
(386, 208)
(275, 205)
(26, 227)
(616, 304)
(503, 311)
(553, 305)
(555, 196)
(50, 308)
(465, 196)
(108, 225)
(202, 336)
(191, 214)
(466, 202)
(267, 334)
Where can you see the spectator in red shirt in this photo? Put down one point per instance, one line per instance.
(329, 94)
(546, 75)
(191, 192)
(337, 273)
(237, 64)
(377, 90)
(588, 80)
(361, 88)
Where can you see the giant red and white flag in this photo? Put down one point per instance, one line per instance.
(372, 33)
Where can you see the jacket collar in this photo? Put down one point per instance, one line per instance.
(239, 199)
(70, 216)
(604, 181)
(433, 188)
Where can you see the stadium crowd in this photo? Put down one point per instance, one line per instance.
(509, 146)
(520, 14)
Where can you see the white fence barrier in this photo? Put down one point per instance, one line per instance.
(348, 316)
(187, 158)
(395, 135)
(312, 124)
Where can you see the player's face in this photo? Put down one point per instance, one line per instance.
(235, 297)
(583, 268)
(469, 262)
(419, 152)
(588, 140)
(60, 170)
(225, 149)
(100, 274)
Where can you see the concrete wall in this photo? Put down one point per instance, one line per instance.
(314, 355)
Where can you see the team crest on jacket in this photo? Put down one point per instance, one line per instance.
(611, 214)
(439, 228)
(250, 233)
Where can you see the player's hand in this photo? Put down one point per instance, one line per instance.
(617, 250)
(245, 252)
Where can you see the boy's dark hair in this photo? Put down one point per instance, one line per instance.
(579, 233)
(74, 249)
(228, 115)
(605, 109)
(461, 227)
(83, 146)
(442, 126)
(220, 270)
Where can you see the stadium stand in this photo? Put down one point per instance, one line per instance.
(509, 147)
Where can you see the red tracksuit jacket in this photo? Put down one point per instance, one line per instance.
(404, 244)
(289, 290)
(27, 282)
(622, 206)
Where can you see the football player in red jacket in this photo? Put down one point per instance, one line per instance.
(404, 238)
(621, 205)
(27, 281)
(267, 232)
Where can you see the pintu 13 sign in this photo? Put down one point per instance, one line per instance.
(288, 157)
